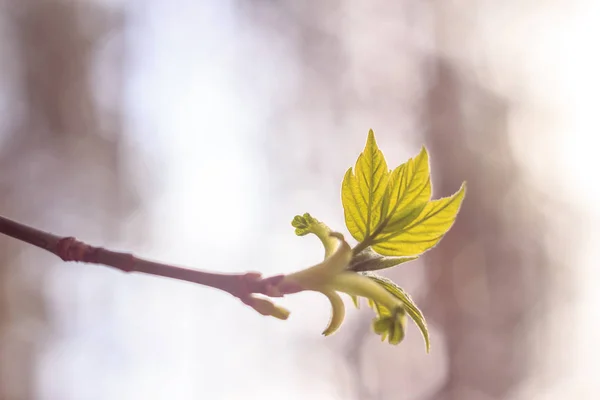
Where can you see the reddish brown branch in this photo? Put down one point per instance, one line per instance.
(70, 249)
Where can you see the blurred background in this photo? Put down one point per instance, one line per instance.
(192, 132)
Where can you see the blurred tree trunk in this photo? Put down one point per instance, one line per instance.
(60, 161)
(488, 277)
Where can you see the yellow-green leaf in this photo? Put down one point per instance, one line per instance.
(364, 189)
(409, 304)
(424, 232)
(408, 192)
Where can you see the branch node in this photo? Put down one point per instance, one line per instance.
(71, 249)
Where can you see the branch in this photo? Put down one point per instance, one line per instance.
(242, 286)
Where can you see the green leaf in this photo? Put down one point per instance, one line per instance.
(425, 231)
(408, 192)
(368, 260)
(364, 189)
(306, 224)
(411, 308)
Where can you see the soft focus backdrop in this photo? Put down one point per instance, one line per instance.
(193, 131)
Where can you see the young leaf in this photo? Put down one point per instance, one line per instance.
(411, 307)
(368, 260)
(425, 231)
(364, 189)
(391, 327)
(380, 326)
(408, 192)
(397, 327)
(306, 224)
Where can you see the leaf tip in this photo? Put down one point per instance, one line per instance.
(461, 193)
(371, 142)
(347, 177)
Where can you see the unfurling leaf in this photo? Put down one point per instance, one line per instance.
(364, 189)
(388, 324)
(306, 224)
(397, 327)
(409, 304)
(381, 326)
(425, 231)
(391, 326)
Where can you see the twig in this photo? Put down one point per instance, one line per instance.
(70, 249)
